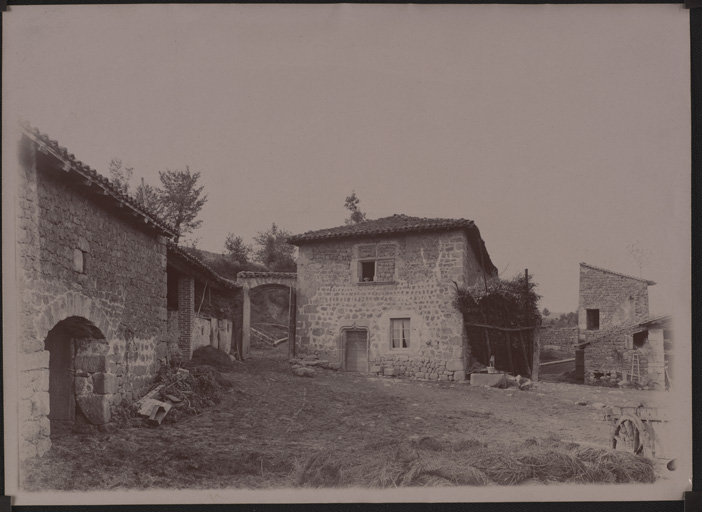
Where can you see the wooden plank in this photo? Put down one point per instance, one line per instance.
(551, 363)
(496, 328)
(536, 356)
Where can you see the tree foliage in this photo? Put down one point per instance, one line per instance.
(351, 204)
(120, 175)
(236, 249)
(180, 200)
(148, 197)
(505, 303)
(273, 251)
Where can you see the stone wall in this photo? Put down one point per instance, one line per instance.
(619, 299)
(609, 358)
(559, 341)
(330, 299)
(76, 259)
(212, 332)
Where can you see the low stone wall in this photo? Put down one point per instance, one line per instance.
(419, 368)
(559, 341)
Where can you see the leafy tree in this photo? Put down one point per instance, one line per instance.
(273, 251)
(546, 312)
(351, 204)
(180, 200)
(148, 197)
(120, 175)
(236, 248)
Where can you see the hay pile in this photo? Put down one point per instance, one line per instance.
(431, 462)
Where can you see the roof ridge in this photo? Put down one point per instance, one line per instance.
(84, 169)
(648, 281)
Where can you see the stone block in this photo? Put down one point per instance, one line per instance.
(91, 363)
(455, 365)
(104, 383)
(459, 375)
(40, 404)
(375, 369)
(95, 408)
(390, 371)
(495, 380)
(433, 376)
(83, 385)
(43, 446)
(35, 360)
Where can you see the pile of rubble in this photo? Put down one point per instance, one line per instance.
(304, 366)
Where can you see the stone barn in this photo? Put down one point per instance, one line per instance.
(619, 337)
(91, 289)
(377, 296)
(203, 307)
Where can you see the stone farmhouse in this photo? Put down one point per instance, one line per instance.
(377, 296)
(619, 337)
(96, 275)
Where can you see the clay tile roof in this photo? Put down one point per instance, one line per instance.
(271, 275)
(195, 262)
(647, 281)
(395, 224)
(91, 176)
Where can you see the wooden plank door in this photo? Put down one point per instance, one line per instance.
(61, 394)
(357, 351)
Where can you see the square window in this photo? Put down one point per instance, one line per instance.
(367, 271)
(593, 319)
(400, 332)
(640, 339)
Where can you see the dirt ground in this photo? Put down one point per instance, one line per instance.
(271, 421)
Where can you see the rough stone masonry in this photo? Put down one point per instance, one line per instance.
(76, 259)
(414, 280)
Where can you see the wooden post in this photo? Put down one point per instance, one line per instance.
(246, 326)
(526, 356)
(292, 327)
(537, 355)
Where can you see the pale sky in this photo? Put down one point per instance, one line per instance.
(562, 131)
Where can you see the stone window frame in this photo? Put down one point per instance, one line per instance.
(391, 334)
(588, 323)
(358, 271)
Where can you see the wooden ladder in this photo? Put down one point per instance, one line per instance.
(635, 361)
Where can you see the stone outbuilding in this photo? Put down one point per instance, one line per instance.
(91, 290)
(377, 296)
(619, 337)
(204, 308)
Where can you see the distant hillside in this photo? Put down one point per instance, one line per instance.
(224, 265)
(268, 305)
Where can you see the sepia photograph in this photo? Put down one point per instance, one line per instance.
(347, 252)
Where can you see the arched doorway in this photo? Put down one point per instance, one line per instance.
(64, 341)
(252, 280)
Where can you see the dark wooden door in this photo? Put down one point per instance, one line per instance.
(356, 351)
(61, 394)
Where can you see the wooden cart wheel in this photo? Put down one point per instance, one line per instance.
(628, 436)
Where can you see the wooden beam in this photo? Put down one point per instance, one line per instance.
(504, 329)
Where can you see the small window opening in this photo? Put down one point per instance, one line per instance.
(593, 319)
(640, 339)
(80, 261)
(400, 332)
(667, 334)
(367, 271)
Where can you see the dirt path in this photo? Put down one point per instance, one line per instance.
(272, 421)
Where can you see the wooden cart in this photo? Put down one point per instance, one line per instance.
(640, 430)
